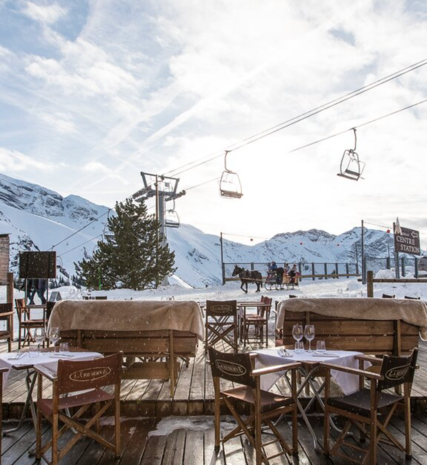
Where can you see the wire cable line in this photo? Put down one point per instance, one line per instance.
(378, 225)
(81, 229)
(331, 136)
(74, 248)
(359, 126)
(249, 140)
(297, 119)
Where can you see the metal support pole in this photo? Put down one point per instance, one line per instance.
(363, 254)
(222, 259)
(396, 256)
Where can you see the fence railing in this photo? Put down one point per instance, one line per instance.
(306, 270)
(406, 264)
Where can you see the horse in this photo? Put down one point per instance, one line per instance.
(247, 277)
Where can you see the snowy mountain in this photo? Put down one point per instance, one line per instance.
(39, 219)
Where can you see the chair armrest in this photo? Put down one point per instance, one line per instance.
(275, 369)
(369, 358)
(3, 314)
(352, 371)
(46, 372)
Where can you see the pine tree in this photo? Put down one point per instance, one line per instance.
(130, 256)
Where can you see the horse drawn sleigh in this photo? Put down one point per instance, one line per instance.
(278, 282)
(274, 279)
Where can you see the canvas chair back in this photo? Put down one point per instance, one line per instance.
(397, 370)
(88, 374)
(221, 323)
(232, 367)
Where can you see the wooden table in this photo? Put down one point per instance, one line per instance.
(311, 363)
(153, 335)
(23, 361)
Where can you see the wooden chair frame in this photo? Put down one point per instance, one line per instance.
(264, 405)
(2, 370)
(71, 378)
(388, 296)
(6, 314)
(259, 321)
(362, 408)
(221, 323)
(26, 323)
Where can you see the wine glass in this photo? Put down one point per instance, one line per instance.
(39, 336)
(309, 335)
(54, 336)
(297, 334)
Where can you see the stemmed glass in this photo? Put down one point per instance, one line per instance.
(309, 335)
(39, 336)
(297, 334)
(54, 336)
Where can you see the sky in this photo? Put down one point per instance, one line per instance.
(93, 92)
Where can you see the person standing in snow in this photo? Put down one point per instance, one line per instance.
(41, 289)
(31, 290)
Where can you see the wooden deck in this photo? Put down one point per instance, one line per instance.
(192, 443)
(193, 395)
(157, 430)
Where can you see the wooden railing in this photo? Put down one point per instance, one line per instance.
(370, 281)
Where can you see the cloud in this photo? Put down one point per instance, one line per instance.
(154, 86)
(108, 174)
(61, 123)
(48, 14)
(14, 161)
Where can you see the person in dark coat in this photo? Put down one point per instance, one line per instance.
(293, 274)
(31, 290)
(41, 289)
(279, 275)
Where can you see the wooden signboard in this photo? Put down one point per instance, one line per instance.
(40, 265)
(407, 241)
(4, 257)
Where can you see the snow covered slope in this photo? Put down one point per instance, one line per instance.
(40, 219)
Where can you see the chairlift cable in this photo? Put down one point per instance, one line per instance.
(330, 137)
(81, 229)
(328, 105)
(301, 117)
(288, 123)
(359, 126)
(74, 248)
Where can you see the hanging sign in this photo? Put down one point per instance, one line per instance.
(407, 241)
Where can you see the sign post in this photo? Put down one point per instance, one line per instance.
(405, 241)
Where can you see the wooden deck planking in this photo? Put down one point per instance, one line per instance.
(196, 447)
(194, 393)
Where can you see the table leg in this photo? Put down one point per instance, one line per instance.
(309, 379)
(30, 381)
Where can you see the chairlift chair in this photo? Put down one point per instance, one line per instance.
(229, 185)
(172, 219)
(351, 167)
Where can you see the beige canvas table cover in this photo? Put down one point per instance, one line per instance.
(410, 311)
(126, 315)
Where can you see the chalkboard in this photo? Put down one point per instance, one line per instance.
(37, 265)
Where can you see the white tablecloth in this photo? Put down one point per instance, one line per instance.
(46, 359)
(347, 382)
